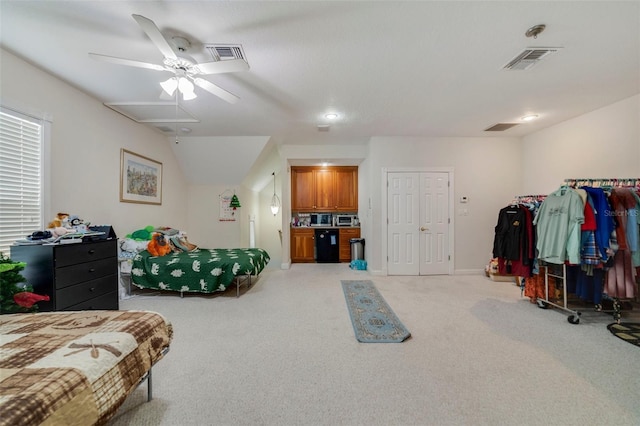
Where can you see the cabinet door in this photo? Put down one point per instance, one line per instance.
(302, 245)
(347, 234)
(325, 189)
(347, 189)
(302, 190)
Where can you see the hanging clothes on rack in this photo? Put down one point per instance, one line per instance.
(558, 227)
(620, 280)
(608, 269)
(514, 240)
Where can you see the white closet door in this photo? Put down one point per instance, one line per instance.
(418, 223)
(434, 223)
(402, 230)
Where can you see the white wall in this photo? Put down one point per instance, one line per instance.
(601, 144)
(203, 217)
(85, 152)
(486, 170)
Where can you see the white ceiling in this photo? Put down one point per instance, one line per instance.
(413, 68)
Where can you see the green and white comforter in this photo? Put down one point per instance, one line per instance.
(202, 270)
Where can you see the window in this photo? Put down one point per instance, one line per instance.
(20, 177)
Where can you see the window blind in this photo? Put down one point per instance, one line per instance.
(20, 178)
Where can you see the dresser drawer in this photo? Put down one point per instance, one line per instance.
(75, 294)
(75, 274)
(108, 301)
(85, 252)
(350, 233)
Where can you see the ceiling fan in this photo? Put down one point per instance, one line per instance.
(186, 71)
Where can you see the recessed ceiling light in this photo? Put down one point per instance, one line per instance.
(331, 116)
(529, 117)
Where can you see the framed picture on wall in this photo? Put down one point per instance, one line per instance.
(140, 179)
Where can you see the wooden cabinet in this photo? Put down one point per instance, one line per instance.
(346, 189)
(303, 195)
(324, 183)
(79, 276)
(324, 189)
(303, 245)
(345, 235)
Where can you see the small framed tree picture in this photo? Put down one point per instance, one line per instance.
(140, 179)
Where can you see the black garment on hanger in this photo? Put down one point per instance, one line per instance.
(510, 233)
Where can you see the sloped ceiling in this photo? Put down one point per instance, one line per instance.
(223, 160)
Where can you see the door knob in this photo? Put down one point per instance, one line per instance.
(423, 228)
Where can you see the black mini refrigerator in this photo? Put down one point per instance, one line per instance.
(327, 247)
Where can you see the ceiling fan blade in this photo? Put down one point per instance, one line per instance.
(216, 90)
(219, 67)
(150, 28)
(129, 62)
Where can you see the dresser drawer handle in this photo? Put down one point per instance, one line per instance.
(92, 289)
(91, 251)
(92, 270)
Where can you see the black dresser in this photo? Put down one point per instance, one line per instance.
(80, 276)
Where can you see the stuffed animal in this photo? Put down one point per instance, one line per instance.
(61, 220)
(158, 246)
(142, 234)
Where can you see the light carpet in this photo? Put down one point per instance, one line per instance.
(479, 354)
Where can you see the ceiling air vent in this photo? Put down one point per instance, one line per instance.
(529, 57)
(222, 52)
(500, 127)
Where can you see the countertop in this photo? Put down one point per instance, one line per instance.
(325, 227)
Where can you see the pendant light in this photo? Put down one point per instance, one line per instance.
(275, 201)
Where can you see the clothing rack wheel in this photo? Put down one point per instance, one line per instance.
(574, 319)
(616, 309)
(542, 304)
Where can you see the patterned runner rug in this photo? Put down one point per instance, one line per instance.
(372, 318)
(629, 332)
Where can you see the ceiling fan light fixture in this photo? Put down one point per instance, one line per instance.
(529, 117)
(185, 85)
(169, 85)
(187, 96)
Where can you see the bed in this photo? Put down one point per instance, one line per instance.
(76, 368)
(200, 270)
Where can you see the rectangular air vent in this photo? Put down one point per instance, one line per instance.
(500, 127)
(530, 57)
(222, 52)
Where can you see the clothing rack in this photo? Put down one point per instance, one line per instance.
(560, 271)
(529, 198)
(604, 182)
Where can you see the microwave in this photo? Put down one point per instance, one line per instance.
(346, 220)
(321, 219)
